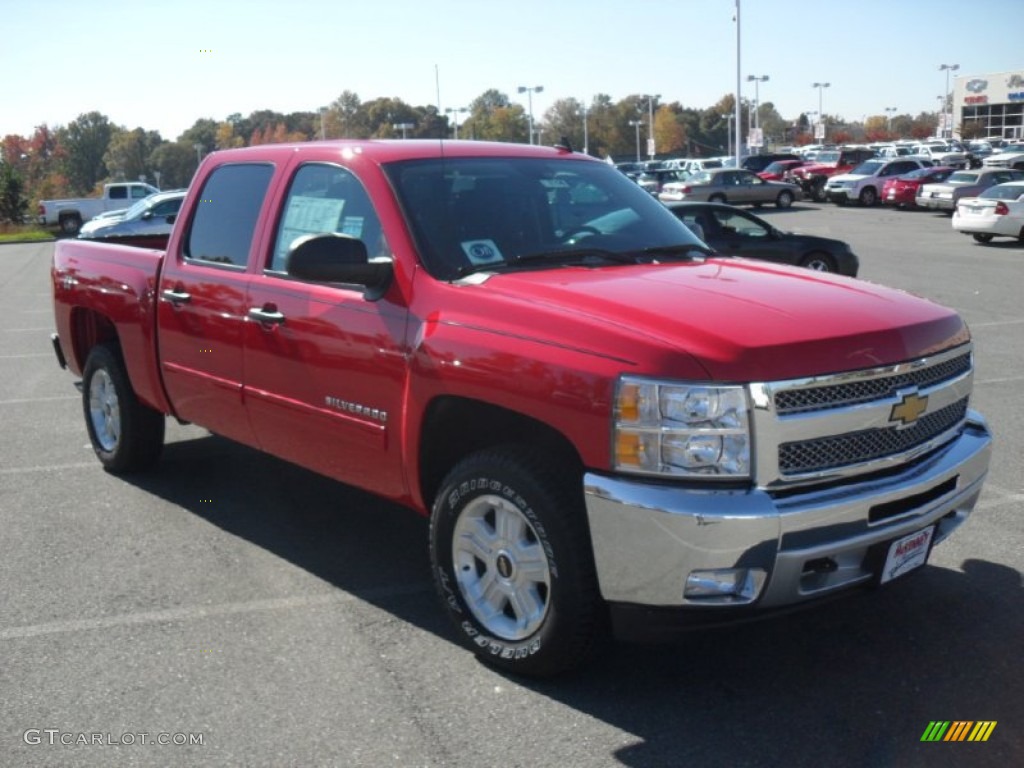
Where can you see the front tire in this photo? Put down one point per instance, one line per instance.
(819, 261)
(784, 200)
(716, 199)
(512, 562)
(868, 197)
(982, 238)
(126, 435)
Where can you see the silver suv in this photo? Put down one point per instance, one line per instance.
(864, 183)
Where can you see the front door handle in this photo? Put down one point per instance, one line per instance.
(266, 315)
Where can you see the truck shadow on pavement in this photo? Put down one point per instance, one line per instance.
(851, 683)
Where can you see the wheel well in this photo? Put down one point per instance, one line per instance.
(89, 328)
(454, 427)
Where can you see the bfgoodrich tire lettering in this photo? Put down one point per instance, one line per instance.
(126, 435)
(512, 563)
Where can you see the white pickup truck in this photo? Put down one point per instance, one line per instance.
(69, 215)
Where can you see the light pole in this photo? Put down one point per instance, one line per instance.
(947, 68)
(456, 111)
(529, 91)
(889, 111)
(323, 131)
(757, 96)
(728, 133)
(810, 122)
(636, 124)
(821, 113)
(650, 122)
(199, 153)
(403, 127)
(586, 138)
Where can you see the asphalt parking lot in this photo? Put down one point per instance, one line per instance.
(282, 619)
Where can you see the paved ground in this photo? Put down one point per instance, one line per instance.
(287, 620)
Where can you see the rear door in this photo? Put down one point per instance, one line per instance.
(202, 301)
(325, 367)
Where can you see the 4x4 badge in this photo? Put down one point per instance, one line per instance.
(909, 409)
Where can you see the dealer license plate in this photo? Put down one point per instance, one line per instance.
(907, 554)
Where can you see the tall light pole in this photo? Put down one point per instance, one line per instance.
(738, 107)
(323, 131)
(810, 122)
(586, 136)
(757, 96)
(529, 91)
(455, 111)
(636, 124)
(947, 123)
(199, 153)
(728, 133)
(650, 122)
(889, 111)
(821, 112)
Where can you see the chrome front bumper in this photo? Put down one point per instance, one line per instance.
(649, 537)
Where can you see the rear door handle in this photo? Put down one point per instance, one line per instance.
(176, 296)
(265, 315)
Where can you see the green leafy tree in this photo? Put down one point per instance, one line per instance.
(203, 132)
(13, 203)
(176, 163)
(85, 140)
(127, 155)
(565, 118)
(345, 118)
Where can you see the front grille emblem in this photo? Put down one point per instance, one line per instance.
(909, 409)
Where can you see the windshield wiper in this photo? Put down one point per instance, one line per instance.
(587, 257)
(685, 250)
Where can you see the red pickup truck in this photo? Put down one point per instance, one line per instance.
(609, 425)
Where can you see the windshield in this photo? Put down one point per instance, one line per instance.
(827, 157)
(482, 214)
(779, 166)
(868, 168)
(138, 209)
(963, 178)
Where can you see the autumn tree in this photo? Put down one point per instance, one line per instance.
(669, 131)
(226, 138)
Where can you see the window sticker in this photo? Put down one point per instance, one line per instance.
(352, 226)
(306, 216)
(482, 252)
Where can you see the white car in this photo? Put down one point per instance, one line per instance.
(941, 153)
(996, 212)
(863, 184)
(1010, 156)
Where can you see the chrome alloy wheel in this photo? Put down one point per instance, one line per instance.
(501, 568)
(104, 410)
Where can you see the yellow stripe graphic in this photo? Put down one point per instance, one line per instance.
(982, 730)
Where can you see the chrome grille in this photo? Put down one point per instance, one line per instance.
(867, 445)
(840, 395)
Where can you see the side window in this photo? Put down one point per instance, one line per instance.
(139, 192)
(119, 193)
(226, 214)
(326, 198)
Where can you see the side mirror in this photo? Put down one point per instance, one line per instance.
(147, 216)
(171, 218)
(335, 258)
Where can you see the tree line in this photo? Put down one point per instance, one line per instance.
(77, 158)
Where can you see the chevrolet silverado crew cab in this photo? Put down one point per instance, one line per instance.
(608, 425)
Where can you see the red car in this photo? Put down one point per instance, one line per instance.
(775, 171)
(900, 191)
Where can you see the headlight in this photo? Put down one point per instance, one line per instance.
(681, 430)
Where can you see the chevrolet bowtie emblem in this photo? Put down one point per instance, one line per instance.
(909, 409)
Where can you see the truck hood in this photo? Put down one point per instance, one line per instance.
(741, 320)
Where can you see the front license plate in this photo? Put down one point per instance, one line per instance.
(907, 554)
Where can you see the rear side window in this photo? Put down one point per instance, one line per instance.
(225, 217)
(119, 193)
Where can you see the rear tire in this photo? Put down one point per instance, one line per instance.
(981, 238)
(70, 225)
(819, 261)
(818, 191)
(784, 200)
(868, 197)
(716, 198)
(126, 435)
(512, 562)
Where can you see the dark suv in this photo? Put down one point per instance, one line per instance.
(758, 163)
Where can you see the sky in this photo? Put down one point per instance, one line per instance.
(161, 66)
